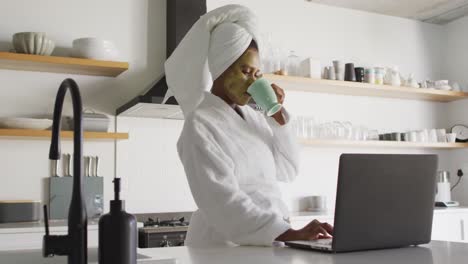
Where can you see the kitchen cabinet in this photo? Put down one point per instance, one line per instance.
(444, 227)
(463, 227)
(18, 236)
(450, 226)
(29, 62)
(21, 241)
(31, 238)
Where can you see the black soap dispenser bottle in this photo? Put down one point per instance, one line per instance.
(117, 233)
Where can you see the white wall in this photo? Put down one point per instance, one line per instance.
(329, 33)
(25, 167)
(367, 39)
(456, 67)
(153, 176)
(322, 32)
(138, 30)
(139, 37)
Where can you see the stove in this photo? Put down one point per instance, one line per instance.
(174, 222)
(163, 229)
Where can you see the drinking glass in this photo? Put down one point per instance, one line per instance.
(348, 130)
(300, 127)
(339, 130)
(441, 135)
(309, 125)
(373, 135)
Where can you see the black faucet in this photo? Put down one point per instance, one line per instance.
(74, 244)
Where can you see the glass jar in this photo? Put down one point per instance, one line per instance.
(370, 76)
(293, 64)
(379, 75)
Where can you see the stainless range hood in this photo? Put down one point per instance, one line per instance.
(180, 16)
(151, 104)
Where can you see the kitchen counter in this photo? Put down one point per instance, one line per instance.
(461, 209)
(38, 227)
(434, 253)
(61, 225)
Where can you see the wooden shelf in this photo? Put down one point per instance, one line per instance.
(30, 133)
(380, 144)
(363, 89)
(28, 62)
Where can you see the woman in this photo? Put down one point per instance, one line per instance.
(233, 156)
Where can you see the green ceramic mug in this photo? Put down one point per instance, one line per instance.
(264, 96)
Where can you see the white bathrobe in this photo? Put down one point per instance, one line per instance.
(232, 166)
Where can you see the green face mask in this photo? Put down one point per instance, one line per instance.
(240, 75)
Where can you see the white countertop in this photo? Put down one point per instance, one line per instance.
(437, 252)
(38, 227)
(458, 209)
(61, 225)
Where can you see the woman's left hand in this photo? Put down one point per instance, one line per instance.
(280, 95)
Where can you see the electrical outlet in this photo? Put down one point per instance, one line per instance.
(464, 168)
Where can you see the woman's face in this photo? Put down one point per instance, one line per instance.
(240, 75)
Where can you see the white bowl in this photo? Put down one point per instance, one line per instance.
(25, 123)
(33, 43)
(92, 122)
(94, 48)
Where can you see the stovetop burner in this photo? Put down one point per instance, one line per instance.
(173, 222)
(163, 229)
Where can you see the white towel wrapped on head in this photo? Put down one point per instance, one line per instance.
(213, 43)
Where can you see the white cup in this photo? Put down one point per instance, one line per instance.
(421, 136)
(312, 68)
(339, 70)
(451, 137)
(317, 203)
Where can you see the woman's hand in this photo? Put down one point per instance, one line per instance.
(280, 95)
(312, 231)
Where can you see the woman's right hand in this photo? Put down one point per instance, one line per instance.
(312, 231)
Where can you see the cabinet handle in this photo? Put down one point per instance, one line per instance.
(462, 227)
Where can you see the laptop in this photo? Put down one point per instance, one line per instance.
(382, 201)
